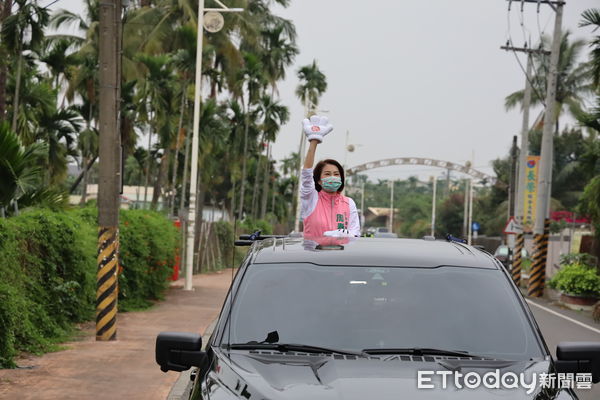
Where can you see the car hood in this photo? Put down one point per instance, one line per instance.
(255, 375)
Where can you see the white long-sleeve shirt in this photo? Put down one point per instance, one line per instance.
(309, 198)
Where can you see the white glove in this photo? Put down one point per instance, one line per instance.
(338, 233)
(316, 128)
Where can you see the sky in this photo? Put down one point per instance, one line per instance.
(413, 78)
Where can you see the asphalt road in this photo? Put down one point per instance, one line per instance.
(558, 329)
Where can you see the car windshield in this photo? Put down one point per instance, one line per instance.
(354, 308)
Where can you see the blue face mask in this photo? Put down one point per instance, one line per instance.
(331, 183)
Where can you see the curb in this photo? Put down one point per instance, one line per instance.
(182, 387)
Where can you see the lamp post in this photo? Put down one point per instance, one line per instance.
(215, 24)
(392, 206)
(434, 181)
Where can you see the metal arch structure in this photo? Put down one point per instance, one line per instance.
(428, 162)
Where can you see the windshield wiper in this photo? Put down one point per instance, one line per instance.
(421, 351)
(284, 347)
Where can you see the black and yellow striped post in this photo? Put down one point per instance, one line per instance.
(517, 260)
(109, 174)
(107, 284)
(537, 277)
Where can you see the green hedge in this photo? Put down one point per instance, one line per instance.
(48, 269)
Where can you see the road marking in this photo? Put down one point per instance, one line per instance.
(563, 316)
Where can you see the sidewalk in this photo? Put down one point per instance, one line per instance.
(124, 368)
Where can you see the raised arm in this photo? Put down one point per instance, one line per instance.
(309, 161)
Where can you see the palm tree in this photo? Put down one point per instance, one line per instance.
(58, 130)
(252, 79)
(279, 52)
(30, 18)
(273, 116)
(5, 10)
(152, 99)
(19, 170)
(591, 17)
(573, 78)
(313, 83)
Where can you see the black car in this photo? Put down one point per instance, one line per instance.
(368, 318)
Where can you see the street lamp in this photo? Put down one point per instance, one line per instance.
(214, 25)
(392, 206)
(434, 182)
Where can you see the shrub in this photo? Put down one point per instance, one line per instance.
(577, 258)
(578, 280)
(149, 243)
(250, 225)
(47, 280)
(48, 272)
(229, 252)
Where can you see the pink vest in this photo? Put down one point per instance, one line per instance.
(331, 213)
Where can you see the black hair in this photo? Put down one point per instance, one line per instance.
(319, 168)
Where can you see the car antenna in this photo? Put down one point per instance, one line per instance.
(231, 290)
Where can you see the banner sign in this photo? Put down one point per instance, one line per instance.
(531, 184)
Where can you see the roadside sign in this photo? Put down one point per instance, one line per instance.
(475, 226)
(512, 227)
(530, 193)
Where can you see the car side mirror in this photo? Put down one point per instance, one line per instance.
(579, 357)
(179, 351)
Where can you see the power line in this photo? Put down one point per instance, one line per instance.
(526, 48)
(509, 47)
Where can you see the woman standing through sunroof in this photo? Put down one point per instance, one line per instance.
(323, 208)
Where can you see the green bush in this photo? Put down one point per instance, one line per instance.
(578, 258)
(250, 225)
(578, 280)
(47, 277)
(149, 243)
(229, 252)
(48, 272)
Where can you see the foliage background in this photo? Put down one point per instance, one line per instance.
(48, 273)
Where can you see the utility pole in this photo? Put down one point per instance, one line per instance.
(392, 206)
(466, 210)
(110, 170)
(518, 202)
(362, 204)
(513, 178)
(470, 223)
(433, 206)
(542, 222)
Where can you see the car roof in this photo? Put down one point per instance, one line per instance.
(384, 252)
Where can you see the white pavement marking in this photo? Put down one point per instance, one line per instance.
(563, 316)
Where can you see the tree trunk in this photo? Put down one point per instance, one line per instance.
(17, 91)
(186, 167)
(4, 12)
(180, 131)
(199, 210)
(254, 211)
(148, 165)
(243, 183)
(85, 180)
(233, 198)
(162, 177)
(81, 174)
(273, 200)
(265, 189)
